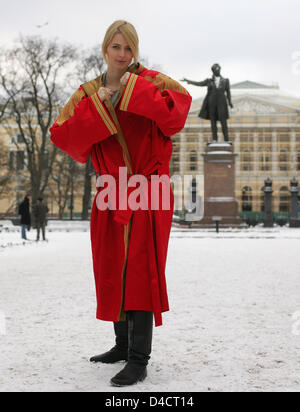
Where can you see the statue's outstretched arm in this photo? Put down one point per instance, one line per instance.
(204, 83)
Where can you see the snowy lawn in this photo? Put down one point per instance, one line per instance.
(230, 327)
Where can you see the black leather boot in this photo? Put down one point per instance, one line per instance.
(140, 329)
(120, 351)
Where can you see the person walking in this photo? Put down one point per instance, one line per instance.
(40, 211)
(24, 211)
(124, 119)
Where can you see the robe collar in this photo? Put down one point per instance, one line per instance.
(93, 86)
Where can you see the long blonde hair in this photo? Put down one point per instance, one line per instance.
(129, 33)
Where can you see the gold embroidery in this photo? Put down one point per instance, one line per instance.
(105, 117)
(128, 92)
(163, 82)
(136, 68)
(68, 111)
(93, 86)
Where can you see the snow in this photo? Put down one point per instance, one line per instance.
(234, 300)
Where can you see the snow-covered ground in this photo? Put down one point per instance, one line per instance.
(233, 296)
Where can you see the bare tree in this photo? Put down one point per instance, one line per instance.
(65, 174)
(36, 78)
(90, 66)
(5, 177)
(30, 75)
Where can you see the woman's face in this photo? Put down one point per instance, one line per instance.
(119, 53)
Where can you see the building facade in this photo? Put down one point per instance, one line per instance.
(264, 127)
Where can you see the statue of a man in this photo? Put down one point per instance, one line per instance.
(214, 106)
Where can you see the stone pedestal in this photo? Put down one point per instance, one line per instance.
(219, 187)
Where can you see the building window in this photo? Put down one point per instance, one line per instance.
(246, 137)
(246, 160)
(284, 199)
(17, 139)
(284, 138)
(265, 160)
(193, 160)
(247, 199)
(265, 137)
(16, 160)
(283, 160)
(175, 164)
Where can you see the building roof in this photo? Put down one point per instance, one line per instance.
(247, 84)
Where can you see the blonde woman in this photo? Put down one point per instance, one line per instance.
(125, 119)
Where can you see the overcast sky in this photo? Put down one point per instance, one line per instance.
(256, 40)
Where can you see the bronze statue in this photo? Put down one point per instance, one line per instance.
(214, 106)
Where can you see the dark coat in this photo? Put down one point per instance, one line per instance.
(215, 104)
(40, 211)
(24, 212)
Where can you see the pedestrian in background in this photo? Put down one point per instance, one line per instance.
(40, 211)
(24, 211)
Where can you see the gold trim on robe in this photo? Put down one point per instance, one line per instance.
(160, 81)
(128, 92)
(68, 111)
(92, 88)
(104, 115)
(163, 82)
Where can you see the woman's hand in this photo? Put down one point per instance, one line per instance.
(105, 94)
(124, 79)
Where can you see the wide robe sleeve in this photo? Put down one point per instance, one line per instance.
(158, 98)
(83, 122)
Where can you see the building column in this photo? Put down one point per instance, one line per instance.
(200, 150)
(256, 196)
(275, 167)
(239, 178)
(275, 170)
(255, 154)
(293, 153)
(182, 152)
(182, 163)
(237, 149)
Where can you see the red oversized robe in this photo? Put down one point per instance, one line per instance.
(129, 247)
